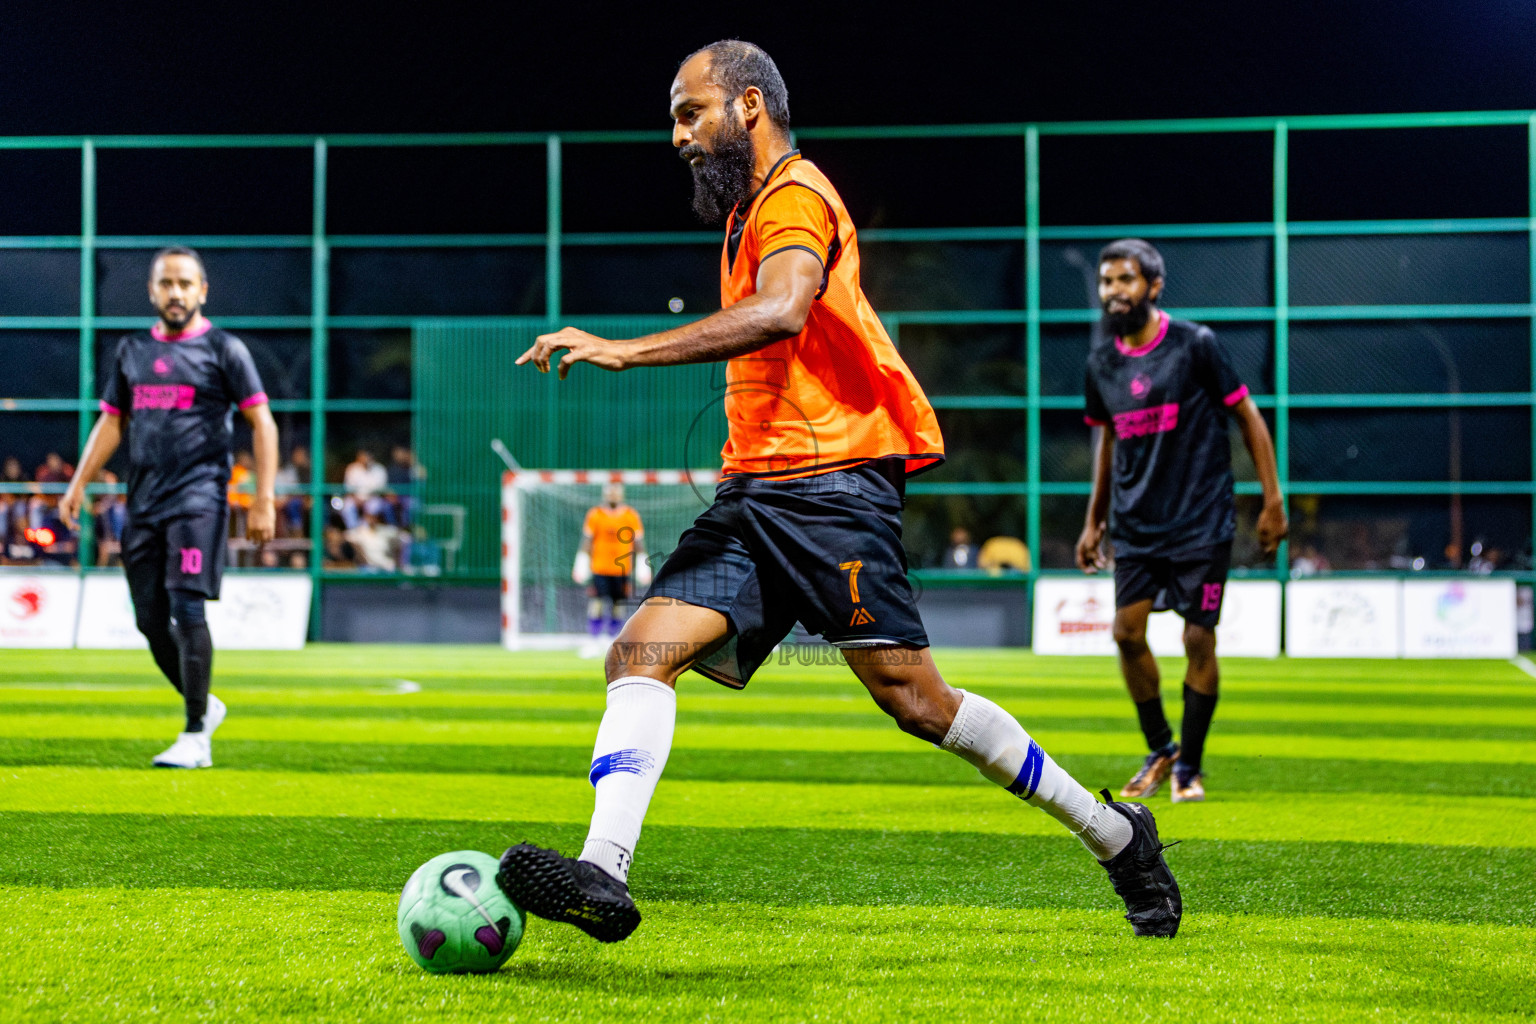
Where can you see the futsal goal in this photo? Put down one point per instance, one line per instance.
(541, 518)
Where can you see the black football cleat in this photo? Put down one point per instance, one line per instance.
(565, 889)
(1141, 877)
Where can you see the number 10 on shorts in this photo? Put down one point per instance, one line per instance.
(191, 561)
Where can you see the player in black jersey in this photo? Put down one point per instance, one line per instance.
(1159, 392)
(171, 396)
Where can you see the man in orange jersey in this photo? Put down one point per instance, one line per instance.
(825, 424)
(612, 547)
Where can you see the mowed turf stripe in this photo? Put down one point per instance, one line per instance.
(865, 720)
(780, 866)
(919, 766)
(747, 737)
(1488, 821)
(1385, 706)
(365, 665)
(334, 956)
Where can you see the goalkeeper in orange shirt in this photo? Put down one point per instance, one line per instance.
(612, 550)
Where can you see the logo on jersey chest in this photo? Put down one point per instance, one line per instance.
(163, 396)
(1140, 385)
(1157, 420)
(162, 366)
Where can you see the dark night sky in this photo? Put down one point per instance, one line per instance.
(284, 66)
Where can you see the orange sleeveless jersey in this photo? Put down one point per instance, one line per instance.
(838, 393)
(613, 532)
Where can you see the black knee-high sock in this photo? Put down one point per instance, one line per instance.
(155, 623)
(1198, 711)
(195, 646)
(1154, 723)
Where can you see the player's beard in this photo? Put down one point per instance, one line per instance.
(1122, 325)
(724, 177)
(177, 319)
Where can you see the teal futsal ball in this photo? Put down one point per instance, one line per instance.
(454, 918)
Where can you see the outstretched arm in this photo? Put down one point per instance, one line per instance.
(787, 284)
(1273, 525)
(1090, 553)
(104, 439)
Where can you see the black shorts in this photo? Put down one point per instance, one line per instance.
(1192, 583)
(614, 588)
(825, 551)
(186, 553)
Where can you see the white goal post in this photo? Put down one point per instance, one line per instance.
(541, 518)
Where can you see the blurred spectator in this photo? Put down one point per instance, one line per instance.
(1000, 553)
(1484, 560)
(111, 512)
(962, 551)
(364, 477)
(11, 503)
(1310, 562)
(54, 470)
(338, 552)
(296, 472)
(403, 469)
(404, 473)
(376, 543)
(365, 481)
(242, 492)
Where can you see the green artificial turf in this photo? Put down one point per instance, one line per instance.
(1368, 851)
(329, 956)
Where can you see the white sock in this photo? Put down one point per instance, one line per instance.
(627, 761)
(991, 739)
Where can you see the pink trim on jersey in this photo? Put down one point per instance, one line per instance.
(1093, 422)
(200, 326)
(1162, 332)
(110, 409)
(1237, 396)
(257, 399)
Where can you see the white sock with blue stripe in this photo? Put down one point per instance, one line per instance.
(991, 739)
(627, 760)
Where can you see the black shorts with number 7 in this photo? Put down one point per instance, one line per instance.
(1193, 583)
(824, 551)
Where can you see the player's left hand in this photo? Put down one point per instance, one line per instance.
(261, 522)
(582, 348)
(1273, 526)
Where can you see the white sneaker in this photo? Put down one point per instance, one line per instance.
(191, 750)
(214, 716)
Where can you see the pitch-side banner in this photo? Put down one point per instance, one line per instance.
(1343, 618)
(1249, 627)
(38, 609)
(1459, 619)
(256, 611)
(1075, 616)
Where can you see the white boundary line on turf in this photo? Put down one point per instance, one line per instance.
(1524, 664)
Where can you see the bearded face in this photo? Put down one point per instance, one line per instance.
(722, 168)
(1123, 317)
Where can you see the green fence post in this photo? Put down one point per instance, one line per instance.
(1282, 257)
(319, 384)
(552, 221)
(87, 332)
(1530, 136)
(1032, 336)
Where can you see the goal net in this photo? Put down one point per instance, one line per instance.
(541, 518)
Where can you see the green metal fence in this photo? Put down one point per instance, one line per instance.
(1279, 315)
